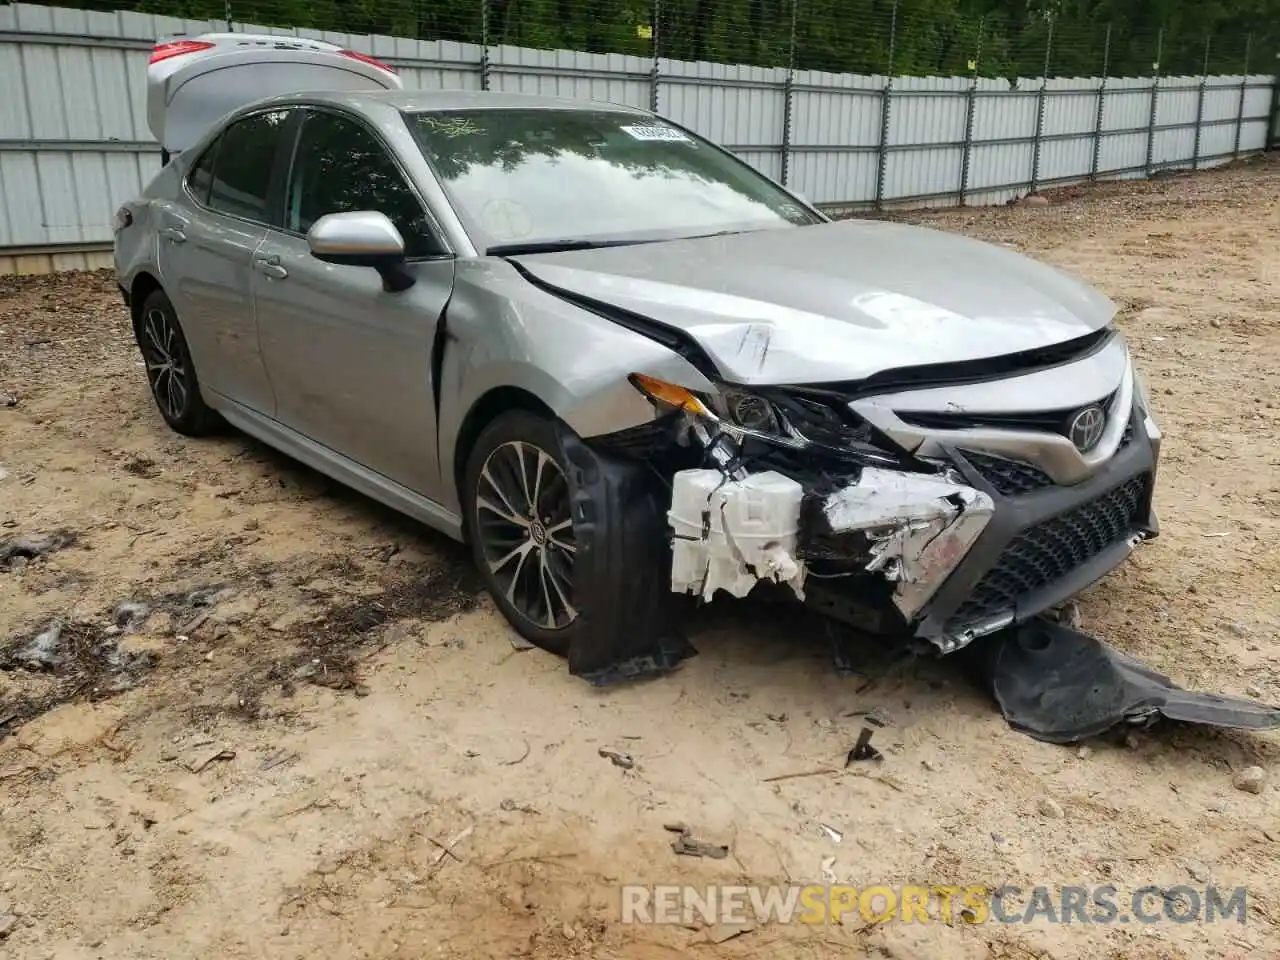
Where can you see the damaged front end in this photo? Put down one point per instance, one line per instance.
(791, 488)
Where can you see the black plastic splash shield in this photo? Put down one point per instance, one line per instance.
(622, 570)
(1060, 686)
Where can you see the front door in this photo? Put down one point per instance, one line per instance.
(208, 239)
(351, 362)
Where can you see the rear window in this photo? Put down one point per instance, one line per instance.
(245, 155)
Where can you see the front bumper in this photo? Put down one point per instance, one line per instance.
(1045, 545)
(946, 558)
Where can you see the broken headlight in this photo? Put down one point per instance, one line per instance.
(732, 408)
(783, 416)
(747, 410)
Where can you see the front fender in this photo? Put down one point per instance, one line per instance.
(503, 332)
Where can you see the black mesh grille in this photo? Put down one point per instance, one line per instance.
(1049, 551)
(1012, 478)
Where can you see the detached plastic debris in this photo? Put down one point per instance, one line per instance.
(686, 845)
(863, 750)
(1059, 685)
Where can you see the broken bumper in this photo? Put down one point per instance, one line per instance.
(945, 557)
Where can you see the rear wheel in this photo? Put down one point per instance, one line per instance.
(519, 524)
(170, 372)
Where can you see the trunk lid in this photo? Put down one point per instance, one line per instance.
(192, 82)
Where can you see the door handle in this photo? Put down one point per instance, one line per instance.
(270, 267)
(176, 234)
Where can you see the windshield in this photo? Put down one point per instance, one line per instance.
(527, 176)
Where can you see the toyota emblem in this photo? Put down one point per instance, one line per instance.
(1087, 427)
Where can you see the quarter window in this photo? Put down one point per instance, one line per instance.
(246, 153)
(340, 167)
(201, 177)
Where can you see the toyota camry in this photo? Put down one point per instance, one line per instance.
(621, 364)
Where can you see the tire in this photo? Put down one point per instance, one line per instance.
(171, 375)
(534, 591)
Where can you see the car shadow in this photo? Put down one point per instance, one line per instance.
(306, 482)
(767, 648)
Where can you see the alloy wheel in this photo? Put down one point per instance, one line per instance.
(166, 371)
(524, 524)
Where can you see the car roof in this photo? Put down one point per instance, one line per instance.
(416, 101)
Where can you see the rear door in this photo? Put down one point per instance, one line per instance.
(208, 238)
(351, 362)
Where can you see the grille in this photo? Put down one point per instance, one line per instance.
(1011, 478)
(1049, 551)
(1046, 421)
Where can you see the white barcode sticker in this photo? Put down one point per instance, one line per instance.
(650, 131)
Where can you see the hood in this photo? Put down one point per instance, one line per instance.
(835, 301)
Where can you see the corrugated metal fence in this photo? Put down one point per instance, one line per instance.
(74, 139)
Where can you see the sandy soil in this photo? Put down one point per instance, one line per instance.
(268, 763)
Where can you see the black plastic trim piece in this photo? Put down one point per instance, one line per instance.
(964, 372)
(622, 570)
(1050, 421)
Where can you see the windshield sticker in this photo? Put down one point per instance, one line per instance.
(451, 126)
(648, 131)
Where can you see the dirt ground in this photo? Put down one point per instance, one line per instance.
(269, 760)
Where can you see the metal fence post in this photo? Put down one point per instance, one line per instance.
(788, 93)
(886, 107)
(1204, 81)
(226, 9)
(1102, 106)
(1244, 90)
(1040, 106)
(1273, 121)
(654, 76)
(970, 108)
(1155, 99)
(484, 45)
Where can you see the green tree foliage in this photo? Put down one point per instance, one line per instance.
(922, 37)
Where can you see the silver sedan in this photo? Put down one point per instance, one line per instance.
(624, 366)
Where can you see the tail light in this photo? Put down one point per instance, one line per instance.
(365, 58)
(178, 48)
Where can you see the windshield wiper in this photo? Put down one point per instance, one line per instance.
(554, 246)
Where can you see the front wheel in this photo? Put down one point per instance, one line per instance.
(519, 523)
(170, 372)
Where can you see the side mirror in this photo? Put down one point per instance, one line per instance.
(364, 238)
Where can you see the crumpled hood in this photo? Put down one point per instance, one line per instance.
(835, 301)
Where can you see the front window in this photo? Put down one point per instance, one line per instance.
(529, 176)
(340, 167)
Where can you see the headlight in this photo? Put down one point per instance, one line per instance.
(784, 417)
(730, 406)
(747, 410)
